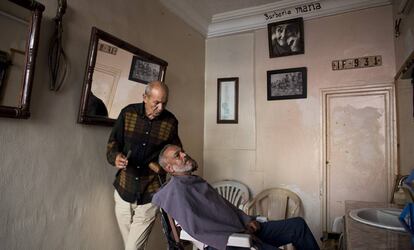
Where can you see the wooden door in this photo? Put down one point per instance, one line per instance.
(359, 147)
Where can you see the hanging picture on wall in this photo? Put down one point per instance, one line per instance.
(286, 84)
(227, 100)
(143, 71)
(286, 38)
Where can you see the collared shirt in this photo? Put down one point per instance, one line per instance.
(200, 210)
(144, 138)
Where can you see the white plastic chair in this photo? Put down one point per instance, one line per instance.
(275, 204)
(235, 192)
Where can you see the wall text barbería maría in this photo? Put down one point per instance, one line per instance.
(293, 11)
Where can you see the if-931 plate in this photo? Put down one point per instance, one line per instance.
(357, 63)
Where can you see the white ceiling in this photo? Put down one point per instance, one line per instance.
(222, 17)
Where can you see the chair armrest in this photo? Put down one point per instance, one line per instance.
(235, 240)
(240, 240)
(185, 236)
(261, 219)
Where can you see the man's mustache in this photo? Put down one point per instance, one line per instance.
(188, 159)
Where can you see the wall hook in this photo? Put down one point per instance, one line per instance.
(397, 27)
(57, 58)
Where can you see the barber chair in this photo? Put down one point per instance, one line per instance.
(175, 236)
(233, 191)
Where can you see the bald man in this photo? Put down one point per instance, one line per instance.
(139, 134)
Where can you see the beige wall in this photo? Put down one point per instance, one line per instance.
(404, 46)
(278, 143)
(55, 184)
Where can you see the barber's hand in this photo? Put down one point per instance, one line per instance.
(155, 167)
(252, 227)
(121, 161)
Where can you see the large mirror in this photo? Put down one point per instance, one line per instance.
(20, 29)
(116, 75)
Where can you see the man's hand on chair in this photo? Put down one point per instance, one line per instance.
(252, 227)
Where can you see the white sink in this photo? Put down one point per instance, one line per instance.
(379, 217)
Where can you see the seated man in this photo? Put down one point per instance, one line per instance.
(210, 218)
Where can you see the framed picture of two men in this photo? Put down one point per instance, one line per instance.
(286, 38)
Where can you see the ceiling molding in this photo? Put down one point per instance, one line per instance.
(258, 17)
(188, 14)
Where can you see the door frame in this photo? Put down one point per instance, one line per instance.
(388, 90)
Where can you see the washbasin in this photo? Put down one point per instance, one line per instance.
(386, 218)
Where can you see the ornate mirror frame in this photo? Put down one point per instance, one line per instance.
(23, 109)
(96, 35)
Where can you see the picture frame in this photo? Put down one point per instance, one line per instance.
(144, 71)
(227, 100)
(287, 83)
(286, 38)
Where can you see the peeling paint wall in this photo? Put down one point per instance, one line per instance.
(278, 143)
(55, 184)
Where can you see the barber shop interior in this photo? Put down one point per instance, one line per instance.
(206, 124)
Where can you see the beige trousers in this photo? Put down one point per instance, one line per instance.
(135, 222)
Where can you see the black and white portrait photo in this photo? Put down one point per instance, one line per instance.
(143, 71)
(286, 84)
(286, 38)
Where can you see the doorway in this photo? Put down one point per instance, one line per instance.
(359, 147)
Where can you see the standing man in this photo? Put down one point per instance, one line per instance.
(139, 134)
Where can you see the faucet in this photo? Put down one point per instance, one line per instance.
(400, 196)
(407, 188)
(401, 181)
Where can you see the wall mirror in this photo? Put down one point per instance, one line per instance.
(20, 28)
(116, 75)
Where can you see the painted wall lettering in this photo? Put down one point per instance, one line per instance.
(293, 11)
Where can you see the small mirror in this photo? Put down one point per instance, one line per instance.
(116, 75)
(20, 27)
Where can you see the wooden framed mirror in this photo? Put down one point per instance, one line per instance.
(20, 25)
(116, 75)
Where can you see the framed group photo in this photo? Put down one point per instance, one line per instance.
(286, 38)
(227, 100)
(143, 71)
(286, 83)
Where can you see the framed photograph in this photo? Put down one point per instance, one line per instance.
(144, 71)
(286, 84)
(227, 100)
(286, 38)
